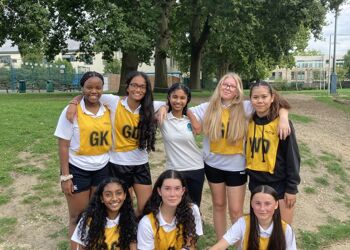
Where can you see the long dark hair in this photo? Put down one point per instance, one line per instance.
(183, 213)
(277, 239)
(88, 75)
(278, 102)
(94, 218)
(185, 89)
(147, 124)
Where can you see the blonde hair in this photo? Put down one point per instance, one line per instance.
(212, 124)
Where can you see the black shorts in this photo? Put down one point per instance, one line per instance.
(194, 180)
(133, 174)
(83, 180)
(279, 186)
(230, 178)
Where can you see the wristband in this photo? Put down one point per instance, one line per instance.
(66, 177)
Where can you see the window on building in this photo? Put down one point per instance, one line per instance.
(301, 75)
(5, 59)
(292, 75)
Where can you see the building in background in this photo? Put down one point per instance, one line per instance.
(308, 72)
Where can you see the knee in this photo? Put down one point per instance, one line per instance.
(219, 205)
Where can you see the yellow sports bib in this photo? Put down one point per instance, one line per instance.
(112, 237)
(263, 242)
(95, 133)
(126, 129)
(165, 240)
(261, 149)
(222, 146)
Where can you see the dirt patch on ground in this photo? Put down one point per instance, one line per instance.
(328, 133)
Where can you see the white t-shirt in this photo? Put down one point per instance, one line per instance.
(237, 230)
(235, 162)
(70, 132)
(145, 236)
(182, 152)
(132, 157)
(76, 237)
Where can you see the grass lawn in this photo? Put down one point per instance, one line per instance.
(27, 125)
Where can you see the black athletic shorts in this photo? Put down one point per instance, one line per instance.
(279, 186)
(230, 178)
(83, 180)
(133, 174)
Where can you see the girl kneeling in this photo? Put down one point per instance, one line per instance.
(170, 220)
(263, 228)
(109, 222)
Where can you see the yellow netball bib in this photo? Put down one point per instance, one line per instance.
(222, 146)
(263, 242)
(112, 237)
(262, 145)
(95, 133)
(165, 240)
(126, 129)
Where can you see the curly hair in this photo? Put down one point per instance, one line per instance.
(147, 123)
(183, 215)
(94, 218)
(277, 239)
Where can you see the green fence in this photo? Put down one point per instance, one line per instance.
(39, 78)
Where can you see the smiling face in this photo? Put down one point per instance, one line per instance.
(264, 206)
(137, 88)
(92, 89)
(261, 99)
(178, 100)
(113, 196)
(228, 89)
(171, 192)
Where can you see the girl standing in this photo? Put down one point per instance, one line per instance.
(84, 146)
(109, 221)
(182, 152)
(271, 161)
(263, 228)
(170, 220)
(134, 135)
(224, 120)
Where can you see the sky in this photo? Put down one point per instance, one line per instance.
(343, 33)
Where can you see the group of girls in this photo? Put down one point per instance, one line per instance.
(170, 219)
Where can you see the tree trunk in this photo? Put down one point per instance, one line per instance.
(222, 69)
(162, 45)
(130, 63)
(197, 42)
(195, 81)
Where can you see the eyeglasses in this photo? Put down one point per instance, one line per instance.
(136, 86)
(228, 86)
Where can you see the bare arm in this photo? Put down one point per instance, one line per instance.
(63, 151)
(283, 126)
(72, 108)
(133, 246)
(196, 125)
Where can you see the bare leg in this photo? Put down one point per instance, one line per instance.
(76, 204)
(143, 192)
(218, 196)
(235, 197)
(286, 213)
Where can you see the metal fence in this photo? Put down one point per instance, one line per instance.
(50, 77)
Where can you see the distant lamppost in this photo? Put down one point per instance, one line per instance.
(333, 87)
